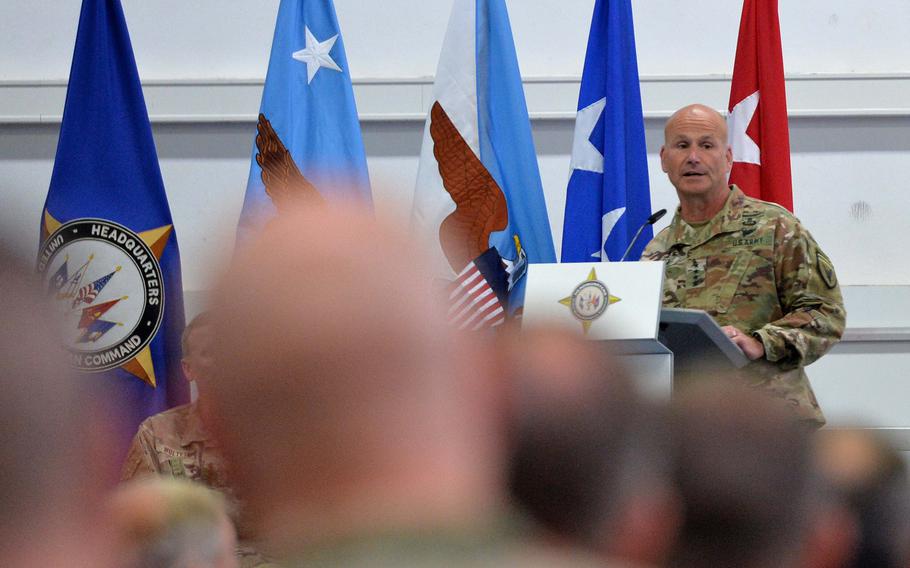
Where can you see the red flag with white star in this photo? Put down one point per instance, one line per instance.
(758, 130)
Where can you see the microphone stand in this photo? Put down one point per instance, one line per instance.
(649, 221)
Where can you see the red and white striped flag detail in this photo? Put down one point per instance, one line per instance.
(473, 303)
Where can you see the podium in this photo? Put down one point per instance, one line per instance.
(699, 345)
(619, 303)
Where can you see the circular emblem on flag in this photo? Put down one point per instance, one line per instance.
(589, 300)
(106, 287)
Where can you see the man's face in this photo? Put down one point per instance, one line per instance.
(199, 360)
(695, 154)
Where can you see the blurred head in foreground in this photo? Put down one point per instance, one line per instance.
(870, 477)
(171, 523)
(344, 403)
(744, 474)
(48, 494)
(589, 461)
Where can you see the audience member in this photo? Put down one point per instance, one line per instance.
(745, 477)
(171, 523)
(362, 430)
(589, 459)
(50, 481)
(833, 532)
(871, 477)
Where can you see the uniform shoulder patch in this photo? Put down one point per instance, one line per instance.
(826, 269)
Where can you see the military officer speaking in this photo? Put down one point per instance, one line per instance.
(750, 264)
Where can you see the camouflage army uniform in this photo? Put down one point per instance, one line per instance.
(497, 544)
(174, 443)
(755, 267)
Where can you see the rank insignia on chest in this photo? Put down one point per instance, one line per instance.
(695, 272)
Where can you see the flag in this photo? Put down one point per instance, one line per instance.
(308, 146)
(59, 278)
(478, 184)
(91, 314)
(477, 298)
(608, 196)
(88, 293)
(757, 123)
(107, 214)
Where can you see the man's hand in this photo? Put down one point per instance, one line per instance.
(752, 348)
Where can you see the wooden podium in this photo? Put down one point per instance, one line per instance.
(620, 303)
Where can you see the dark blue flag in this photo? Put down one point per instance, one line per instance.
(608, 197)
(107, 214)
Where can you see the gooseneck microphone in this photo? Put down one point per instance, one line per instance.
(649, 221)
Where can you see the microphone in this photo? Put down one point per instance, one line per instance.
(649, 221)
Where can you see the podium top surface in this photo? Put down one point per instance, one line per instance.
(693, 323)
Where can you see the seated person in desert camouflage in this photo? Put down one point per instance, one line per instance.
(175, 442)
(748, 263)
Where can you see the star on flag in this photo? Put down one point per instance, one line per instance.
(316, 54)
(744, 148)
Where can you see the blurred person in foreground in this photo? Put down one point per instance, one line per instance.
(49, 498)
(870, 476)
(744, 473)
(175, 443)
(590, 459)
(171, 523)
(362, 430)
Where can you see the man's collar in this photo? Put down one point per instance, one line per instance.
(727, 220)
(194, 429)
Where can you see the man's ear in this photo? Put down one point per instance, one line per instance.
(663, 166)
(729, 157)
(187, 370)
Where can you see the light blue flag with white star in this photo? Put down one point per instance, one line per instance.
(308, 145)
(608, 196)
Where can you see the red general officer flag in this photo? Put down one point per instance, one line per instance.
(757, 122)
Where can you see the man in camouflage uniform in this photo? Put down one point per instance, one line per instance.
(748, 263)
(175, 443)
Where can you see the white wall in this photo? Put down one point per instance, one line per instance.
(401, 38)
(848, 164)
(203, 62)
